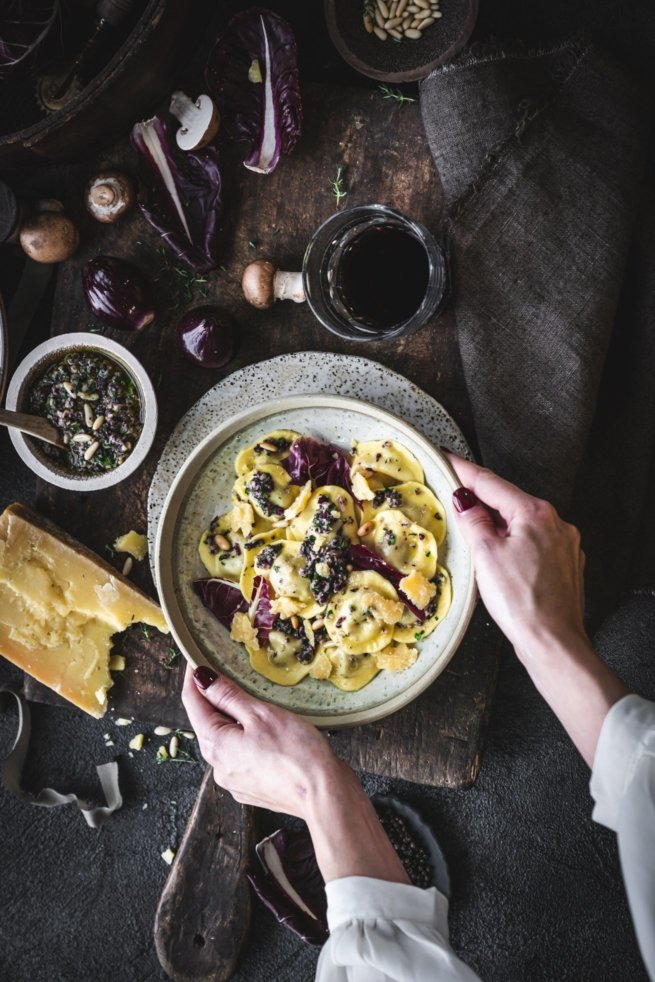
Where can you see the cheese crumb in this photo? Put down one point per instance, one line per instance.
(134, 544)
(389, 611)
(242, 630)
(396, 657)
(168, 856)
(286, 606)
(136, 743)
(242, 519)
(419, 589)
(360, 487)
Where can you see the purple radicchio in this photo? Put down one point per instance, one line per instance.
(322, 463)
(180, 193)
(291, 885)
(222, 598)
(24, 26)
(263, 616)
(253, 74)
(362, 557)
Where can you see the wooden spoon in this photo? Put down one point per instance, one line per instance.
(34, 425)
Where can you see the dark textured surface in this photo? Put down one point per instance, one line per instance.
(536, 886)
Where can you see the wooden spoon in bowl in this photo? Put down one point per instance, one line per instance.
(34, 425)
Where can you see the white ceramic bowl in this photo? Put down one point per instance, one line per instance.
(202, 489)
(30, 370)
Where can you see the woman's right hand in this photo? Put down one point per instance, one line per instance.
(528, 562)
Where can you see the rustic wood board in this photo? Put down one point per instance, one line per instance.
(381, 144)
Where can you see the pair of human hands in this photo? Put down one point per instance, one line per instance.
(529, 569)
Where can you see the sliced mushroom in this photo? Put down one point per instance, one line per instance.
(263, 284)
(109, 195)
(49, 237)
(199, 119)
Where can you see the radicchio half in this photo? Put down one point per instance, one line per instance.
(322, 463)
(222, 598)
(180, 193)
(253, 74)
(291, 885)
(364, 558)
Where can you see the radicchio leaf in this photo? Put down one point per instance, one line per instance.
(180, 193)
(264, 616)
(253, 74)
(222, 598)
(291, 885)
(322, 463)
(24, 26)
(364, 558)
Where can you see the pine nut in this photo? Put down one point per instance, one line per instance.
(437, 13)
(162, 730)
(396, 35)
(425, 4)
(349, 567)
(394, 22)
(173, 747)
(400, 9)
(423, 15)
(379, 32)
(407, 22)
(384, 10)
(428, 22)
(295, 622)
(414, 24)
(222, 542)
(127, 566)
(88, 414)
(97, 423)
(90, 451)
(81, 438)
(364, 529)
(413, 34)
(393, 9)
(318, 623)
(368, 23)
(379, 19)
(267, 445)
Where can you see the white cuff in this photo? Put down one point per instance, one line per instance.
(363, 898)
(627, 732)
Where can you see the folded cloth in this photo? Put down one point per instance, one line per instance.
(542, 158)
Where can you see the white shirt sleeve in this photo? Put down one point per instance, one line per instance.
(623, 787)
(387, 931)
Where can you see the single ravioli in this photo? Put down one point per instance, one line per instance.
(362, 618)
(268, 489)
(219, 559)
(329, 512)
(271, 449)
(388, 458)
(402, 543)
(411, 630)
(414, 500)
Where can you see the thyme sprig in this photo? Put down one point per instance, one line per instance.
(338, 185)
(391, 92)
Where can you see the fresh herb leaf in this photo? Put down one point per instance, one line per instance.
(173, 657)
(338, 185)
(391, 92)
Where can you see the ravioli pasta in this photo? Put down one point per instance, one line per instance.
(335, 556)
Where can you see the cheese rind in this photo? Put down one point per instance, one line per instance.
(60, 604)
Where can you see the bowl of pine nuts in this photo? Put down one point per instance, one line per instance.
(399, 40)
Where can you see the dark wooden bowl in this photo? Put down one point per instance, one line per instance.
(407, 61)
(130, 86)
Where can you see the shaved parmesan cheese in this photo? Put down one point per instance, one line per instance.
(360, 487)
(242, 519)
(390, 611)
(298, 505)
(419, 589)
(242, 630)
(396, 657)
(286, 606)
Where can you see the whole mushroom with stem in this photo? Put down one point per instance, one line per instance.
(263, 284)
(199, 120)
(109, 195)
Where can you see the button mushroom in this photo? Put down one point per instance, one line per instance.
(108, 196)
(49, 236)
(199, 120)
(263, 284)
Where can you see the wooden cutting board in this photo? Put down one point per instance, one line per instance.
(381, 146)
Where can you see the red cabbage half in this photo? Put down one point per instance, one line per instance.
(362, 557)
(222, 598)
(180, 193)
(253, 74)
(322, 463)
(24, 26)
(291, 885)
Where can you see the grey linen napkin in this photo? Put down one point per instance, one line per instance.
(542, 155)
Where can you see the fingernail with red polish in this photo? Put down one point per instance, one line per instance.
(464, 499)
(204, 677)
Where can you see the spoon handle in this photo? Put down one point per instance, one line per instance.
(34, 425)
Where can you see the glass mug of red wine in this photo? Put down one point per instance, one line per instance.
(371, 273)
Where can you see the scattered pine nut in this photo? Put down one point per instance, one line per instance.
(412, 33)
(162, 730)
(173, 747)
(364, 529)
(127, 566)
(379, 32)
(90, 451)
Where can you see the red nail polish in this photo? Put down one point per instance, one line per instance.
(464, 499)
(204, 677)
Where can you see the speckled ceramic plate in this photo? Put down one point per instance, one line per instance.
(202, 489)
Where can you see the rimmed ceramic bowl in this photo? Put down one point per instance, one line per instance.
(31, 369)
(202, 490)
(404, 61)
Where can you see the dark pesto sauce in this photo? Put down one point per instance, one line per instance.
(102, 436)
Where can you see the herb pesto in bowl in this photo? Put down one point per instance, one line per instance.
(101, 400)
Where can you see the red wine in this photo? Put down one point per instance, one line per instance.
(383, 276)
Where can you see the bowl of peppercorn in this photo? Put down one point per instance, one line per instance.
(399, 40)
(100, 400)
